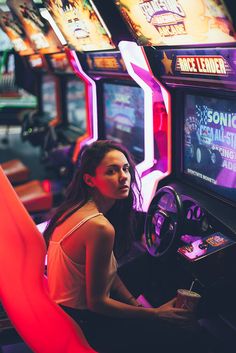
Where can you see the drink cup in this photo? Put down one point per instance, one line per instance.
(187, 299)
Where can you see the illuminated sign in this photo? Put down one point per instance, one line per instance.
(15, 32)
(37, 29)
(36, 61)
(60, 63)
(80, 24)
(204, 65)
(106, 62)
(177, 22)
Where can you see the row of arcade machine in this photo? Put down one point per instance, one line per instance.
(104, 73)
(66, 102)
(74, 110)
(190, 223)
(45, 70)
(35, 195)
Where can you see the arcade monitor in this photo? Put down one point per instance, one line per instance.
(76, 111)
(209, 149)
(193, 211)
(208, 185)
(48, 98)
(123, 112)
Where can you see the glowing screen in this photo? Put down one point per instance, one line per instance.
(49, 100)
(124, 117)
(76, 105)
(210, 143)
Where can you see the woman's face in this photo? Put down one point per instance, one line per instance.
(112, 176)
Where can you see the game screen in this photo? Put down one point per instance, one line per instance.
(49, 100)
(177, 22)
(76, 105)
(80, 24)
(124, 116)
(210, 143)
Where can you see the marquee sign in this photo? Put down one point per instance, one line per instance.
(204, 65)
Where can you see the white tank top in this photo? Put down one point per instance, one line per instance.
(66, 278)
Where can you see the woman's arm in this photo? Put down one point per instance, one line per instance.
(99, 245)
(122, 292)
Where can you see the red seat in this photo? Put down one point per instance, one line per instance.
(34, 197)
(15, 170)
(32, 193)
(41, 323)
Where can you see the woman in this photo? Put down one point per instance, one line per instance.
(90, 227)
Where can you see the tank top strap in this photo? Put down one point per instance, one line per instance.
(84, 220)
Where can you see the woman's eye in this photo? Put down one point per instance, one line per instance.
(110, 171)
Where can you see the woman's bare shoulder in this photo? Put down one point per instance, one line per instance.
(100, 226)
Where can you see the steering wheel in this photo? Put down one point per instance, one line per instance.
(163, 221)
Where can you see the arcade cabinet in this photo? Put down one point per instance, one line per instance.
(71, 23)
(35, 126)
(75, 124)
(190, 223)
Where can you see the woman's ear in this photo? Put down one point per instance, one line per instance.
(88, 179)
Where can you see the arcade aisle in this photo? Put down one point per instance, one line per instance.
(15, 148)
(16, 348)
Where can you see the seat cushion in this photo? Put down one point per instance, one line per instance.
(15, 170)
(34, 197)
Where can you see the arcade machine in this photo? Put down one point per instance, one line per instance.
(39, 128)
(76, 123)
(63, 142)
(190, 223)
(75, 118)
(82, 29)
(127, 117)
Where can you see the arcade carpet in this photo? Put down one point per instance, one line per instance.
(15, 348)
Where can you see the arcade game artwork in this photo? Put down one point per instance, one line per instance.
(177, 22)
(81, 24)
(36, 27)
(14, 30)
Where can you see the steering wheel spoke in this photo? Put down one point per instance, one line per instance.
(163, 221)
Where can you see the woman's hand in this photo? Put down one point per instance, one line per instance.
(170, 313)
(133, 301)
